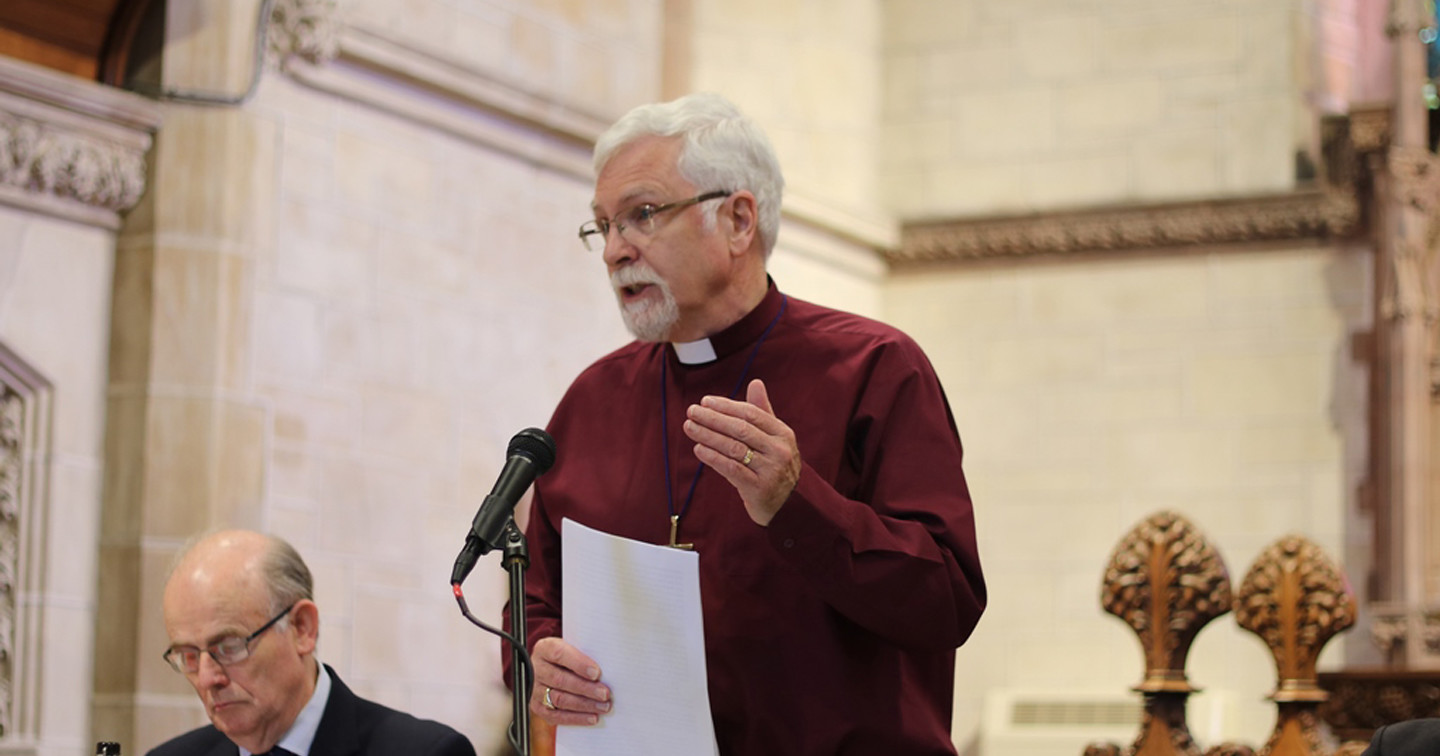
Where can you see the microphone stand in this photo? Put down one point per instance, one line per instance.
(516, 559)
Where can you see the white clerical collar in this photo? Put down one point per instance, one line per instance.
(302, 733)
(694, 352)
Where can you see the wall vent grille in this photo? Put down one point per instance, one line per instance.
(1027, 722)
(1075, 712)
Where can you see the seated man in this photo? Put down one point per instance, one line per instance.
(1416, 737)
(243, 624)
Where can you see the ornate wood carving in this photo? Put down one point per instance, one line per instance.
(1163, 729)
(1230, 749)
(1298, 732)
(1369, 129)
(1166, 582)
(1363, 700)
(1295, 599)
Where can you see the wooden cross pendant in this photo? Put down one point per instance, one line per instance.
(675, 533)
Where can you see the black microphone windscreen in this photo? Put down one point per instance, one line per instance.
(535, 444)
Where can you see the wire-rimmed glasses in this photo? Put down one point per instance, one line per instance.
(639, 222)
(227, 651)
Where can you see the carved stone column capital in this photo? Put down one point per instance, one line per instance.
(51, 160)
(1388, 632)
(308, 29)
(1430, 631)
(1395, 628)
(71, 148)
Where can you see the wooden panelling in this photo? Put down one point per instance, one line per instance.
(79, 37)
(16, 45)
(77, 25)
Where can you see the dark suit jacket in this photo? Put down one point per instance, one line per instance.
(350, 726)
(1416, 737)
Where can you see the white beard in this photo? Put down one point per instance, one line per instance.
(646, 319)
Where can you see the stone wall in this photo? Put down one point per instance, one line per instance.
(1041, 104)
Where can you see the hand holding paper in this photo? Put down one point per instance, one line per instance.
(635, 608)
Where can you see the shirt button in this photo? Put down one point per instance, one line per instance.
(789, 543)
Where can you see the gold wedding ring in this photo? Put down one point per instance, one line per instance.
(548, 703)
(749, 455)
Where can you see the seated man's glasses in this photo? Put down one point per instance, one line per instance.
(637, 223)
(232, 650)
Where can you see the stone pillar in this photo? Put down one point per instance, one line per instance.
(1407, 196)
(185, 432)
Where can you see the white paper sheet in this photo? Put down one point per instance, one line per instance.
(635, 609)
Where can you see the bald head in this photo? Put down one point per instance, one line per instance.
(239, 584)
(256, 564)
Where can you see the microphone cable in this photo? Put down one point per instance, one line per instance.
(515, 644)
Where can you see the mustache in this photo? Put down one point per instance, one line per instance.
(631, 275)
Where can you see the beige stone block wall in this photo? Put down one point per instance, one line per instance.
(820, 268)
(54, 313)
(1041, 104)
(592, 55)
(1092, 393)
(807, 71)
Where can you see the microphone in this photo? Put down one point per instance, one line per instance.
(531, 452)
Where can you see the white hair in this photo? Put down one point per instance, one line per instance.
(722, 149)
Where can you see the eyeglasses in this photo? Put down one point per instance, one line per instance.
(639, 221)
(232, 650)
